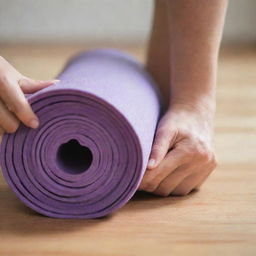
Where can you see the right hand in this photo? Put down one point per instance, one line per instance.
(14, 106)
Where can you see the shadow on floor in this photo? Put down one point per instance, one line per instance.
(17, 218)
(151, 201)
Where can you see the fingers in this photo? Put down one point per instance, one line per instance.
(13, 85)
(166, 187)
(191, 182)
(14, 98)
(176, 175)
(29, 85)
(152, 179)
(8, 121)
(160, 146)
(202, 180)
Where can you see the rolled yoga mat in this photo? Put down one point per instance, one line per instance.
(91, 149)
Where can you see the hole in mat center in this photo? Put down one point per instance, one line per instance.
(73, 158)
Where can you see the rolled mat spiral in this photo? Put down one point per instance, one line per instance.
(89, 154)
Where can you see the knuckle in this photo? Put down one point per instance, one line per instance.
(198, 153)
(203, 152)
(4, 80)
(205, 155)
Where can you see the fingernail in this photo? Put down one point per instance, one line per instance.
(56, 81)
(34, 124)
(151, 162)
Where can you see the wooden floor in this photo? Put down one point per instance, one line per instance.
(220, 219)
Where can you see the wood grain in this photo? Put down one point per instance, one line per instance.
(220, 219)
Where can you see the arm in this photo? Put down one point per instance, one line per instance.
(196, 29)
(158, 52)
(182, 155)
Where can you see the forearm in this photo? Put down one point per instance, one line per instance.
(158, 52)
(195, 30)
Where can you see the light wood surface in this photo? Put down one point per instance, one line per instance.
(220, 219)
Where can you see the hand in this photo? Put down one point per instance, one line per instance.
(13, 104)
(182, 154)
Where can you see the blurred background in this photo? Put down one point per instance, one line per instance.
(108, 21)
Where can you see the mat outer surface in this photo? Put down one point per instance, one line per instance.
(96, 130)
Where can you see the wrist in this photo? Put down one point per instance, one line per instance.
(196, 88)
(204, 105)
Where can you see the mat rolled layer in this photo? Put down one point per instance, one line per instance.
(90, 151)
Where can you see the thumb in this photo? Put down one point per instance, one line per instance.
(29, 85)
(160, 147)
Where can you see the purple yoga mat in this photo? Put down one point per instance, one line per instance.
(90, 151)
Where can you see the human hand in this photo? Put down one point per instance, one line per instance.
(13, 104)
(182, 153)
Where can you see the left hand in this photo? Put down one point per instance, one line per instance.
(182, 155)
(14, 106)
